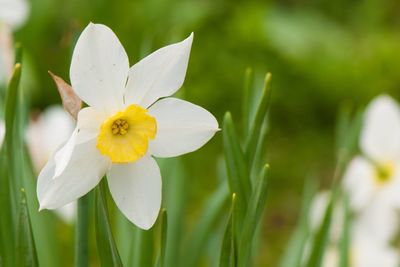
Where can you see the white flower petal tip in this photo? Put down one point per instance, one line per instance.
(99, 68)
(379, 137)
(158, 75)
(182, 127)
(83, 172)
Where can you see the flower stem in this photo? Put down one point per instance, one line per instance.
(82, 231)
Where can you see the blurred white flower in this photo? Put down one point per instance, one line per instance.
(374, 177)
(127, 122)
(317, 212)
(13, 14)
(45, 134)
(363, 252)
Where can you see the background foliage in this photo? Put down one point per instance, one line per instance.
(322, 54)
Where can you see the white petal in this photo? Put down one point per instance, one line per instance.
(380, 134)
(366, 252)
(158, 75)
(99, 68)
(89, 121)
(136, 189)
(83, 172)
(378, 221)
(359, 182)
(13, 12)
(182, 127)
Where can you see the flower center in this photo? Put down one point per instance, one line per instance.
(124, 137)
(384, 172)
(120, 126)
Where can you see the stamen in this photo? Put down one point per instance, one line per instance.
(120, 127)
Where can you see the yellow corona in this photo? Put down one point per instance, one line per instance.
(124, 137)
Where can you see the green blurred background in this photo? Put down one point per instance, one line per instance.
(322, 54)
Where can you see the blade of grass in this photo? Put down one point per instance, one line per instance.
(205, 227)
(345, 238)
(237, 169)
(248, 85)
(295, 249)
(175, 198)
(228, 256)
(9, 183)
(320, 240)
(261, 112)
(82, 233)
(26, 249)
(253, 217)
(43, 223)
(106, 247)
(143, 248)
(163, 238)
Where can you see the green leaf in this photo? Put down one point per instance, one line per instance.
(238, 172)
(253, 217)
(320, 240)
(248, 85)
(43, 223)
(345, 238)
(163, 239)
(205, 227)
(106, 247)
(175, 195)
(26, 249)
(82, 232)
(295, 249)
(143, 248)
(229, 244)
(253, 138)
(8, 178)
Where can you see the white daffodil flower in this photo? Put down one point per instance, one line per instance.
(131, 117)
(13, 14)
(45, 134)
(374, 177)
(369, 244)
(363, 252)
(380, 223)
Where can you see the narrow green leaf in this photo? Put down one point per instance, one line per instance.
(82, 233)
(106, 247)
(204, 230)
(163, 239)
(261, 112)
(253, 217)
(320, 240)
(8, 179)
(26, 249)
(238, 172)
(248, 85)
(345, 238)
(143, 248)
(175, 195)
(295, 249)
(228, 256)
